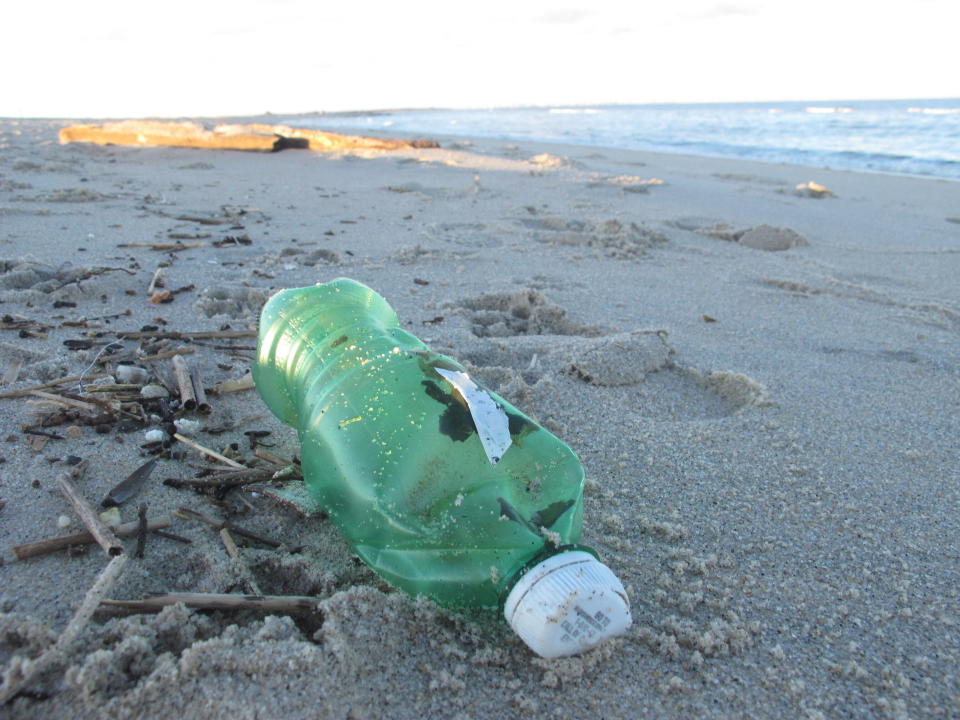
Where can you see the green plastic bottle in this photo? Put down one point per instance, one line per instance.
(442, 487)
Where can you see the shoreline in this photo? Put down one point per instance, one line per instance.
(775, 484)
(446, 139)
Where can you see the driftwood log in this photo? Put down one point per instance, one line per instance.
(255, 136)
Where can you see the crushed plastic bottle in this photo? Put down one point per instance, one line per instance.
(441, 486)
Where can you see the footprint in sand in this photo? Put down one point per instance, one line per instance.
(759, 237)
(522, 337)
(233, 301)
(70, 195)
(749, 178)
(473, 235)
(25, 364)
(27, 279)
(290, 258)
(310, 258)
(427, 194)
(615, 238)
(528, 350)
(523, 312)
(10, 185)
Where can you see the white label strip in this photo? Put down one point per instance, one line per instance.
(493, 425)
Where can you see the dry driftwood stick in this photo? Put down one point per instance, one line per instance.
(42, 433)
(141, 530)
(270, 457)
(227, 479)
(61, 542)
(171, 536)
(176, 335)
(81, 617)
(284, 604)
(101, 533)
(110, 406)
(188, 514)
(198, 392)
(63, 400)
(52, 383)
(181, 372)
(324, 140)
(116, 388)
(186, 350)
(175, 134)
(223, 346)
(232, 551)
(207, 451)
(162, 246)
(204, 220)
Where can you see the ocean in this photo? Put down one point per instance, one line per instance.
(909, 137)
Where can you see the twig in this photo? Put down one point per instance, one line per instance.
(228, 479)
(198, 392)
(285, 604)
(186, 350)
(52, 383)
(141, 530)
(232, 551)
(116, 388)
(171, 536)
(81, 617)
(188, 398)
(43, 433)
(110, 316)
(223, 346)
(65, 401)
(270, 457)
(188, 514)
(163, 247)
(49, 545)
(204, 220)
(101, 533)
(208, 451)
(175, 335)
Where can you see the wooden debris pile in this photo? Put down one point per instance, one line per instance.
(130, 390)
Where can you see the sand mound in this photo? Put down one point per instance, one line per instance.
(767, 237)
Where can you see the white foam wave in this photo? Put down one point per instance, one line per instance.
(935, 111)
(827, 110)
(575, 111)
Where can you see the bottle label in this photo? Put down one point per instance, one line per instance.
(492, 423)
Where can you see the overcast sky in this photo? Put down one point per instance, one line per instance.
(123, 58)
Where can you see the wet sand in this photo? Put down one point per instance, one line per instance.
(769, 435)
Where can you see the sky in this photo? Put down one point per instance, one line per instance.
(123, 58)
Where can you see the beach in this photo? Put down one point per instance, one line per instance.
(760, 375)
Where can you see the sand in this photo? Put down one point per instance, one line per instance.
(762, 384)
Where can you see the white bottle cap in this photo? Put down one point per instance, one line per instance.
(567, 604)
